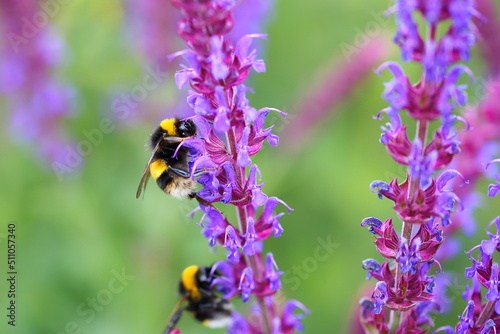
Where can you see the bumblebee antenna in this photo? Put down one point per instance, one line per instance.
(175, 316)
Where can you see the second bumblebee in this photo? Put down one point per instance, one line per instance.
(197, 291)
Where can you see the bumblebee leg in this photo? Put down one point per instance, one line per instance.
(204, 202)
(179, 172)
(176, 139)
(201, 171)
(173, 321)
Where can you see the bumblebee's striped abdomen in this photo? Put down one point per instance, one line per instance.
(159, 172)
(157, 168)
(170, 182)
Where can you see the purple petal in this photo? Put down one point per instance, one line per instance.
(446, 176)
(247, 284)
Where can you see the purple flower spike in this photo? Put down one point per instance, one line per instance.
(423, 201)
(216, 64)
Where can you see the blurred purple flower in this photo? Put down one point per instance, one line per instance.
(152, 27)
(38, 101)
(478, 147)
(251, 16)
(488, 26)
(330, 87)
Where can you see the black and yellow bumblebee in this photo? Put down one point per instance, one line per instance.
(199, 297)
(170, 173)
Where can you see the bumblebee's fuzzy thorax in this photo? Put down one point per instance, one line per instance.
(189, 282)
(169, 125)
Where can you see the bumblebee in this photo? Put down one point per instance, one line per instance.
(171, 174)
(201, 300)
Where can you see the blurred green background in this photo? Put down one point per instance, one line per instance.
(75, 235)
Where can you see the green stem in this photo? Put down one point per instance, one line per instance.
(414, 185)
(422, 127)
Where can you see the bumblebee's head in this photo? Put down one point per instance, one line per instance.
(173, 127)
(186, 128)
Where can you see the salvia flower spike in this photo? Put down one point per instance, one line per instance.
(230, 133)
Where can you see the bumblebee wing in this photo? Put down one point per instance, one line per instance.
(175, 316)
(146, 174)
(144, 181)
